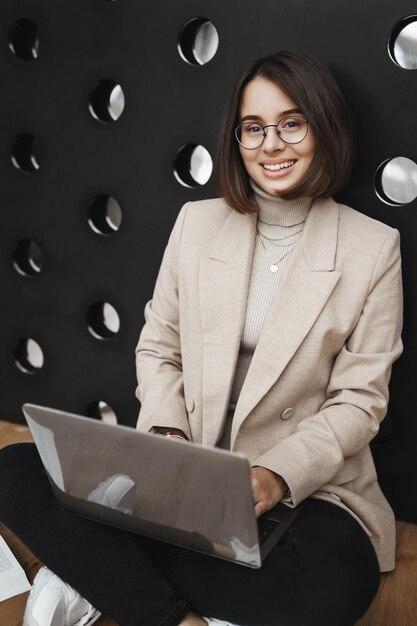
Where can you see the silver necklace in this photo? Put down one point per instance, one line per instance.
(274, 266)
(278, 238)
(282, 225)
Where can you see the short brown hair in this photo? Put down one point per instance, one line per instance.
(312, 87)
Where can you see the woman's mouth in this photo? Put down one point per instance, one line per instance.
(274, 167)
(278, 170)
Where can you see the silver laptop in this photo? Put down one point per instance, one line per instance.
(187, 494)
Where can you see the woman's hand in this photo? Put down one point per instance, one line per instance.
(170, 432)
(268, 489)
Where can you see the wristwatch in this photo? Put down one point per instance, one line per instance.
(171, 435)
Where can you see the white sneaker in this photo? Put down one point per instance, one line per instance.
(52, 602)
(212, 621)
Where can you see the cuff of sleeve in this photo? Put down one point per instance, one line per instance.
(295, 492)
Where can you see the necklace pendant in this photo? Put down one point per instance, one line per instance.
(274, 268)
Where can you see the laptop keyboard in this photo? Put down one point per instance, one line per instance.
(265, 528)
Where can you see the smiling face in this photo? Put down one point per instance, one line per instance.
(275, 166)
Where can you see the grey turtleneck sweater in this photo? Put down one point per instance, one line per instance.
(279, 225)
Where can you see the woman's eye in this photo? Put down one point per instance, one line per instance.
(251, 129)
(291, 124)
(254, 129)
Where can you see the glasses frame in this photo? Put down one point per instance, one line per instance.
(277, 131)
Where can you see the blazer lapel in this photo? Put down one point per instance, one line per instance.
(223, 286)
(308, 281)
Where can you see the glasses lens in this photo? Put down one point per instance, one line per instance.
(292, 129)
(250, 135)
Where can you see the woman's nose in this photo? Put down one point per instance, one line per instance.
(272, 140)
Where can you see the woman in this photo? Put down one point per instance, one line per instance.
(272, 330)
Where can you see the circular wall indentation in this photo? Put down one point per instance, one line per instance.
(107, 101)
(103, 320)
(24, 152)
(193, 165)
(27, 257)
(24, 39)
(28, 355)
(198, 41)
(105, 215)
(396, 181)
(402, 43)
(102, 411)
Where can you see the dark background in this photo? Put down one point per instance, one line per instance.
(169, 103)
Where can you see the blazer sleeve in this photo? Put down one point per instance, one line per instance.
(357, 393)
(158, 353)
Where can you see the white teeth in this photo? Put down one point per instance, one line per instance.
(277, 166)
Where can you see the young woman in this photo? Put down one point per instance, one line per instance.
(272, 330)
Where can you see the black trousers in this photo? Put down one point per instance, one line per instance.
(323, 572)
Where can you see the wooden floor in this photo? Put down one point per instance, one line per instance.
(395, 604)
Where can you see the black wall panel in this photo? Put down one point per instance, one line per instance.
(169, 103)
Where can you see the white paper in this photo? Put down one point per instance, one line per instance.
(12, 576)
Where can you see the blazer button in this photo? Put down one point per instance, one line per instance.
(190, 406)
(287, 413)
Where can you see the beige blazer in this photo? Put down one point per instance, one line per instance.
(317, 386)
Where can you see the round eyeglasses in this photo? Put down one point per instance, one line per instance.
(291, 129)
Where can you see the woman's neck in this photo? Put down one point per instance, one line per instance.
(274, 210)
